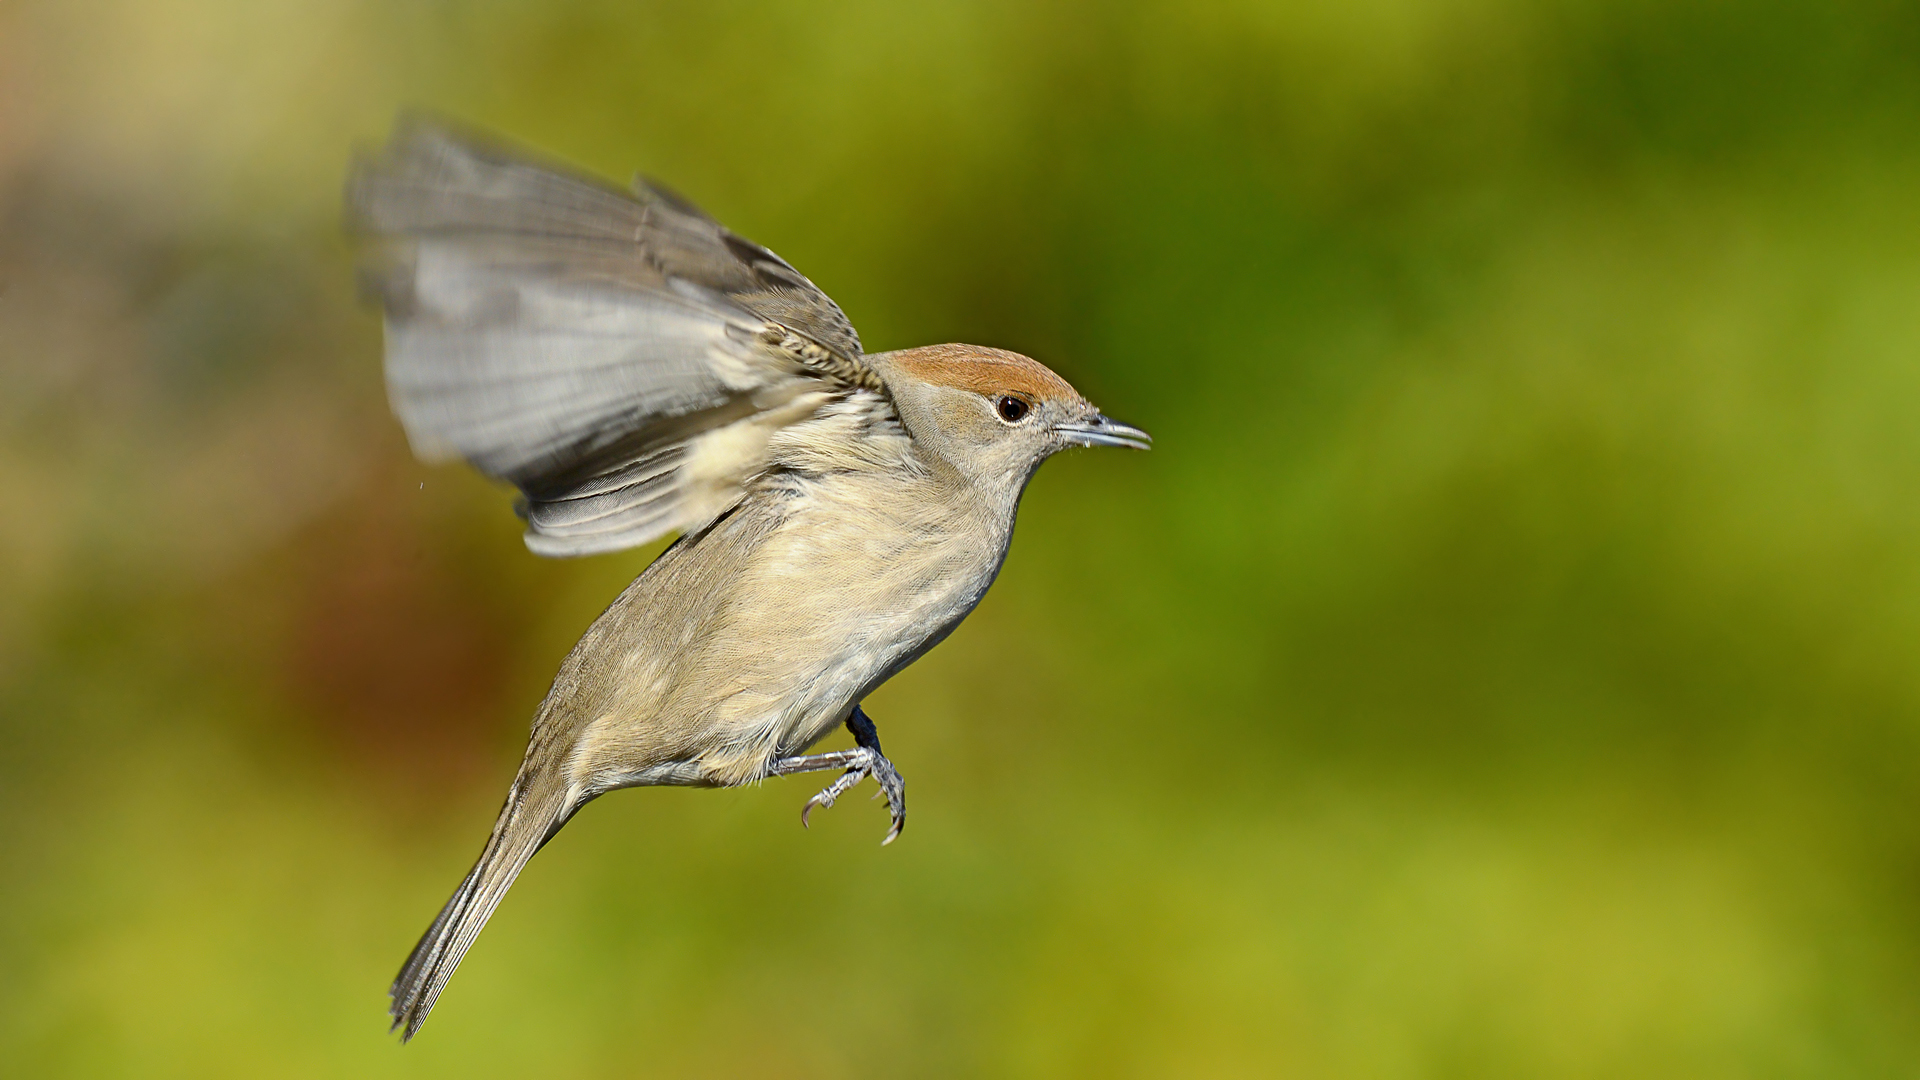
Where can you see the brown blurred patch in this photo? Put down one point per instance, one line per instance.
(393, 648)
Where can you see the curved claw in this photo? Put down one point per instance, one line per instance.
(822, 799)
(833, 791)
(895, 789)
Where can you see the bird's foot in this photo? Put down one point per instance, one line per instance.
(868, 763)
(860, 763)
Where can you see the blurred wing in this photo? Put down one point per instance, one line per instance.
(622, 358)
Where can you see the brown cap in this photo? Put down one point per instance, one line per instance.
(985, 371)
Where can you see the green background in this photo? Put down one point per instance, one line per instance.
(1504, 665)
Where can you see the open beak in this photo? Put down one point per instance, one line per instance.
(1105, 431)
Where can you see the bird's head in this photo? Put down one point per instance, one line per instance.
(993, 414)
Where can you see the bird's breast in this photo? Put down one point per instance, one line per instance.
(756, 639)
(861, 579)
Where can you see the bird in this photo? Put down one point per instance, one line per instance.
(635, 370)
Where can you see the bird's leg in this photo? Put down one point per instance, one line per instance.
(867, 737)
(861, 762)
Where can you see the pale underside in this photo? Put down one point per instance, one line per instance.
(753, 640)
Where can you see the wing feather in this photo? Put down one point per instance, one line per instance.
(619, 356)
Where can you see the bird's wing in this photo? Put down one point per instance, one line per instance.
(620, 357)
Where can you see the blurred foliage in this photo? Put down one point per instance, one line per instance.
(1503, 666)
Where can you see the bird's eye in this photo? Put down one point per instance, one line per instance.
(1012, 409)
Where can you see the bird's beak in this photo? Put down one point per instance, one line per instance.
(1105, 431)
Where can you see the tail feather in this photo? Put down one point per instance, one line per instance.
(514, 841)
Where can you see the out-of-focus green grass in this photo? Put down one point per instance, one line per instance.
(1504, 665)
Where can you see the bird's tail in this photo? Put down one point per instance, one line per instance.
(524, 825)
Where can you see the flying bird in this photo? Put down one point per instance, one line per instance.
(635, 369)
